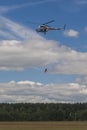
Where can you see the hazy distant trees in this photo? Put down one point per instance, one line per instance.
(43, 112)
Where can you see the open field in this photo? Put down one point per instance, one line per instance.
(43, 125)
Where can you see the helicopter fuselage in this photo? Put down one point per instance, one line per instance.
(45, 28)
(42, 28)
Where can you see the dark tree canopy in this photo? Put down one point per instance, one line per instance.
(43, 112)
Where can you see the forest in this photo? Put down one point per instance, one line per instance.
(43, 112)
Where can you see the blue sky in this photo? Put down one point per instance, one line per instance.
(24, 53)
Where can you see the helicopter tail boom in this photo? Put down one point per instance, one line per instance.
(52, 28)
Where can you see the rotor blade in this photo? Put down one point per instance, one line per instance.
(48, 22)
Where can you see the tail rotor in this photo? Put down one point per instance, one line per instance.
(64, 27)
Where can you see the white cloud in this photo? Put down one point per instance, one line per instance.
(82, 80)
(71, 33)
(70, 62)
(17, 55)
(28, 91)
(12, 30)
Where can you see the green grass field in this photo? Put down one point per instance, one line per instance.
(43, 125)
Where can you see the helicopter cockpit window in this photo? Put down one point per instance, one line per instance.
(42, 26)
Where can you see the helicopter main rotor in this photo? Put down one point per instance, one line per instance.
(48, 22)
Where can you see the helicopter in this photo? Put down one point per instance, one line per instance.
(45, 28)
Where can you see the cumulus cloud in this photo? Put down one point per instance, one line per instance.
(71, 33)
(75, 65)
(34, 92)
(82, 80)
(17, 55)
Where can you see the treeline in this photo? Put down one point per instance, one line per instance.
(43, 112)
